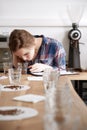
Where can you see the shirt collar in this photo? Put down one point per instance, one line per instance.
(44, 39)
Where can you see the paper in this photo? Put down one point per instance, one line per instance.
(19, 88)
(30, 98)
(64, 72)
(3, 77)
(18, 113)
(33, 78)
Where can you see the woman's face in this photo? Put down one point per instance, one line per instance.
(26, 54)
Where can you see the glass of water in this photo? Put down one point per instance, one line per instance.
(50, 81)
(24, 67)
(14, 76)
(50, 78)
(6, 66)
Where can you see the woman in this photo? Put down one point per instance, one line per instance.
(39, 51)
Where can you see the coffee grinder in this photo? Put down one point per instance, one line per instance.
(74, 36)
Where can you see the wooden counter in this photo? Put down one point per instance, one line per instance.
(36, 123)
(79, 76)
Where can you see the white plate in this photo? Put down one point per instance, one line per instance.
(22, 87)
(24, 113)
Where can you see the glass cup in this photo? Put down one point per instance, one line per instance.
(24, 67)
(50, 78)
(6, 66)
(14, 76)
(50, 81)
(19, 65)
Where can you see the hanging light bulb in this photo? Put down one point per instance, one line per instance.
(75, 12)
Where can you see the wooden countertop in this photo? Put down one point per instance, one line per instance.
(79, 76)
(36, 123)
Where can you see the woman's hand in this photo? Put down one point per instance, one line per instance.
(38, 67)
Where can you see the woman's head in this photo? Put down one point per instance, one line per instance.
(20, 39)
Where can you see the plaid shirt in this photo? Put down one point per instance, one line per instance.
(51, 53)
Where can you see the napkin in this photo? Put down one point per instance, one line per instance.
(3, 77)
(30, 98)
(64, 72)
(33, 78)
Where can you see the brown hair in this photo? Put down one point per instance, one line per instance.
(20, 39)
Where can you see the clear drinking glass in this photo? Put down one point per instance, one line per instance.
(14, 76)
(58, 105)
(50, 81)
(6, 66)
(19, 65)
(24, 67)
(50, 78)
